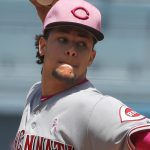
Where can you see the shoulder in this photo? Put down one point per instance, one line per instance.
(32, 91)
(111, 120)
(111, 112)
(84, 96)
(87, 91)
(106, 111)
(90, 96)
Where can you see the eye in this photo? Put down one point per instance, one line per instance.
(82, 45)
(62, 40)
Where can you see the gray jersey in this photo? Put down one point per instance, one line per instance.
(80, 118)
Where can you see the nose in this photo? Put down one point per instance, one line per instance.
(71, 52)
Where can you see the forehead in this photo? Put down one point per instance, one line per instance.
(73, 30)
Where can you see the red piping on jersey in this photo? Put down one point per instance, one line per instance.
(44, 98)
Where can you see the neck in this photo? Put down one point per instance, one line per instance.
(51, 86)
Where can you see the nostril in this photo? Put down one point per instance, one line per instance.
(68, 53)
(73, 54)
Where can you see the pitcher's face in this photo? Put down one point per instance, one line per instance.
(67, 53)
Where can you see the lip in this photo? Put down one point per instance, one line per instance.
(68, 64)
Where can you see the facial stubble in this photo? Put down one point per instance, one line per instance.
(70, 78)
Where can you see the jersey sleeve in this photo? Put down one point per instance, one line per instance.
(111, 124)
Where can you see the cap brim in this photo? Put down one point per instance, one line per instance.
(96, 34)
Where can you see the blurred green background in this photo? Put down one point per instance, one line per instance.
(121, 68)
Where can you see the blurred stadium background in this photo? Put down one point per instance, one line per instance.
(121, 68)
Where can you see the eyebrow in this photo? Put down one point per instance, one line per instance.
(82, 34)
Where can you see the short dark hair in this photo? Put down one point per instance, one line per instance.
(40, 59)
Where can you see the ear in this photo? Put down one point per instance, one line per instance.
(42, 46)
(92, 56)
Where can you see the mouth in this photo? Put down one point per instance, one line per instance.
(69, 65)
(65, 70)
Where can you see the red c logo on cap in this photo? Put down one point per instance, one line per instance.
(74, 12)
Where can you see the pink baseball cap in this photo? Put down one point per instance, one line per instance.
(77, 13)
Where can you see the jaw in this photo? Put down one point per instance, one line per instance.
(64, 72)
(68, 74)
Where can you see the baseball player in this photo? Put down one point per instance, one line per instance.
(64, 111)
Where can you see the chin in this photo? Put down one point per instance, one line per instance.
(65, 78)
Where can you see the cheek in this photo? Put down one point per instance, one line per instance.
(50, 52)
(49, 58)
(54, 51)
(86, 60)
(84, 63)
